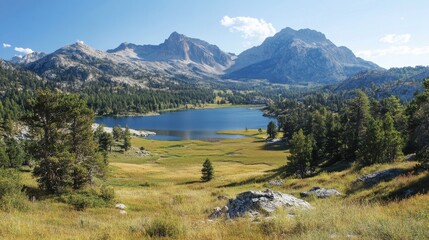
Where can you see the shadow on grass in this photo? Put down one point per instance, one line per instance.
(273, 173)
(190, 182)
(277, 146)
(420, 186)
(336, 166)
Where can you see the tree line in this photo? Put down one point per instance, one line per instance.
(323, 129)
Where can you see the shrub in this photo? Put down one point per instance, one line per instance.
(83, 200)
(11, 195)
(164, 227)
(107, 193)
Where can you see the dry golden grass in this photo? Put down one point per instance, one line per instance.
(166, 186)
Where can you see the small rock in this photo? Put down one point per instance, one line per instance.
(217, 212)
(122, 212)
(222, 197)
(120, 206)
(276, 182)
(321, 192)
(225, 209)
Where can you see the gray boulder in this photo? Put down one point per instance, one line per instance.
(255, 203)
(379, 176)
(321, 192)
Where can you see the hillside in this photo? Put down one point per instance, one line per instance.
(401, 82)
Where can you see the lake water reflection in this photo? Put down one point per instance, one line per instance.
(193, 124)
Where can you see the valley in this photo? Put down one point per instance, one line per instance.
(166, 186)
(214, 120)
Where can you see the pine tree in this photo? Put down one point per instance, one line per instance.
(4, 158)
(117, 133)
(15, 153)
(357, 117)
(301, 148)
(370, 149)
(207, 171)
(334, 142)
(419, 126)
(105, 142)
(272, 129)
(127, 139)
(392, 142)
(66, 154)
(318, 132)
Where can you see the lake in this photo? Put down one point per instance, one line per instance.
(193, 124)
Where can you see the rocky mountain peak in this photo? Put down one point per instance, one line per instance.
(297, 56)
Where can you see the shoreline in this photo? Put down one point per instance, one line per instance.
(137, 133)
(207, 106)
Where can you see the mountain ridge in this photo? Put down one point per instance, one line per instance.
(298, 56)
(291, 56)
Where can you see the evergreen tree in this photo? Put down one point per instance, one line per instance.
(4, 158)
(334, 142)
(419, 125)
(105, 142)
(272, 129)
(370, 149)
(318, 133)
(207, 171)
(117, 133)
(392, 142)
(301, 148)
(357, 117)
(15, 153)
(127, 139)
(61, 126)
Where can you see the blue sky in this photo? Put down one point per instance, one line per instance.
(391, 33)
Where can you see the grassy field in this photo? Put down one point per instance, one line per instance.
(163, 191)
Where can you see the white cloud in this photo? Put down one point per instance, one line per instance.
(24, 50)
(80, 42)
(250, 28)
(395, 38)
(6, 45)
(394, 50)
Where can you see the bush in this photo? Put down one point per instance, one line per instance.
(164, 227)
(11, 195)
(83, 200)
(107, 193)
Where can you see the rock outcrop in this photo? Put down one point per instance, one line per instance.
(321, 192)
(379, 176)
(256, 203)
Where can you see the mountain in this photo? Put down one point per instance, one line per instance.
(179, 47)
(294, 57)
(401, 82)
(83, 63)
(178, 57)
(29, 58)
(298, 57)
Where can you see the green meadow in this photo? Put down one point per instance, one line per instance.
(163, 193)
